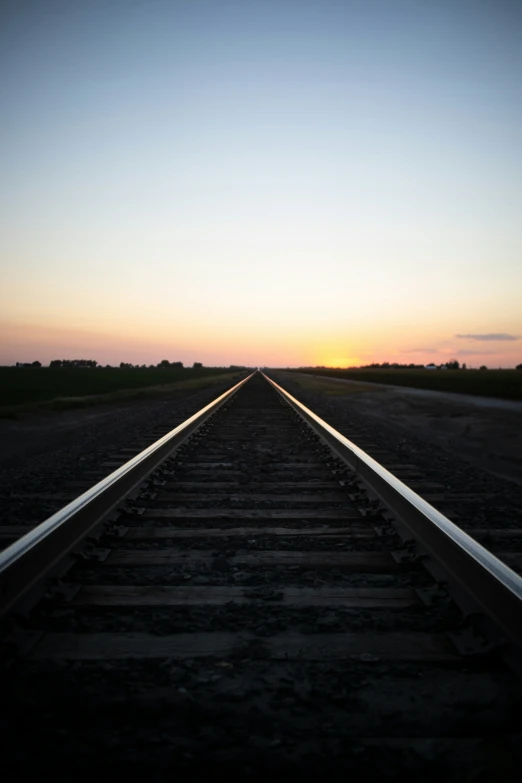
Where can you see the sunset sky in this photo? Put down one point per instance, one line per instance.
(268, 182)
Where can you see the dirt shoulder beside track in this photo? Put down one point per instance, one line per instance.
(43, 450)
(486, 432)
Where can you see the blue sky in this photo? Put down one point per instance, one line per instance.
(268, 182)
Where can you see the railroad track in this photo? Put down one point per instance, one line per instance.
(266, 600)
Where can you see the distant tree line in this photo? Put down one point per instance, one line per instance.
(391, 365)
(73, 363)
(164, 363)
(453, 364)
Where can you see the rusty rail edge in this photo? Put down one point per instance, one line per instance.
(26, 562)
(495, 587)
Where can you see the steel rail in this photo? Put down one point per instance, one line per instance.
(25, 562)
(490, 583)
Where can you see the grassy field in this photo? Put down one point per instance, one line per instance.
(58, 388)
(506, 384)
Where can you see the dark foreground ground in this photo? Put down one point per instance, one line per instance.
(74, 740)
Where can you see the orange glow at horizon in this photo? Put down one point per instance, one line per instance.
(353, 361)
(238, 341)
